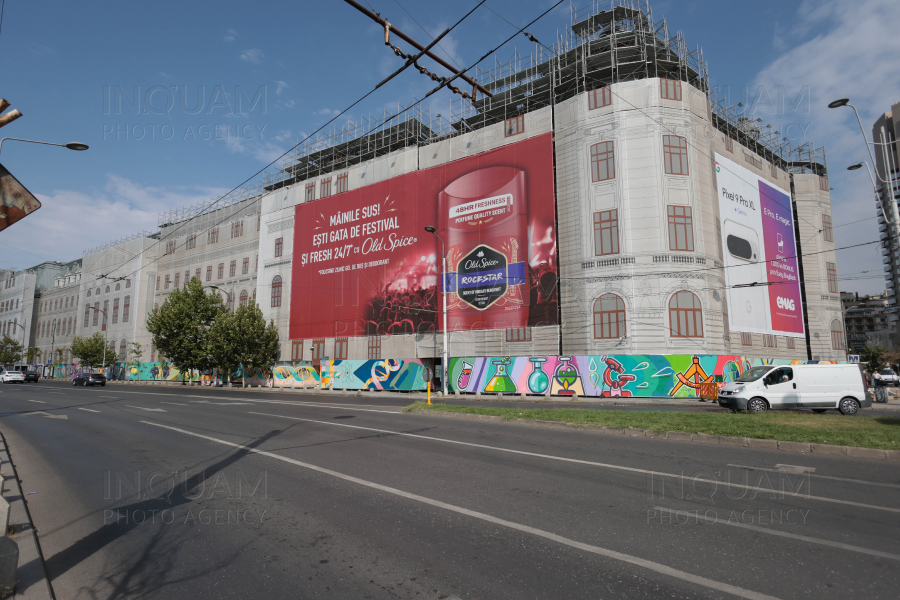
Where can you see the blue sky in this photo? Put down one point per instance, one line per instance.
(68, 63)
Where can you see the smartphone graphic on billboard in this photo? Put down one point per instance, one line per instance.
(748, 302)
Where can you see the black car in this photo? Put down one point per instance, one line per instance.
(31, 376)
(90, 379)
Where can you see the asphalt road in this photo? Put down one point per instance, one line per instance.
(141, 492)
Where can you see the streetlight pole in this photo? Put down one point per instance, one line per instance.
(24, 333)
(105, 335)
(71, 145)
(445, 367)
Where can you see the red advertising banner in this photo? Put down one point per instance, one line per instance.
(363, 263)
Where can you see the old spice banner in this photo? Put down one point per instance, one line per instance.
(363, 263)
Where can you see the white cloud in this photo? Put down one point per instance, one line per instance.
(122, 207)
(280, 86)
(230, 35)
(252, 55)
(328, 112)
(263, 151)
(839, 45)
(289, 103)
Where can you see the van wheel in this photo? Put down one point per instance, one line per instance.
(849, 406)
(819, 411)
(757, 405)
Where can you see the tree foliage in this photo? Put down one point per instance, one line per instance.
(181, 326)
(91, 349)
(135, 352)
(10, 351)
(32, 354)
(874, 357)
(243, 338)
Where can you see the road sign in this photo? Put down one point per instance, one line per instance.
(15, 201)
(853, 358)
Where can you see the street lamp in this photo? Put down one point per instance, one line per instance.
(24, 332)
(105, 333)
(71, 145)
(445, 367)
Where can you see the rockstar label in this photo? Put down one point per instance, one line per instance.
(482, 277)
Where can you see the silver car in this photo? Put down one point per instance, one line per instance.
(7, 376)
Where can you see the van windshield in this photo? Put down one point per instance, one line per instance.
(753, 374)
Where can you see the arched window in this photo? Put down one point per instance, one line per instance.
(243, 298)
(609, 317)
(118, 286)
(123, 351)
(107, 289)
(89, 293)
(276, 291)
(837, 335)
(685, 315)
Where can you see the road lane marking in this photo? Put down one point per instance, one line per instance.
(57, 393)
(38, 401)
(48, 415)
(810, 474)
(691, 478)
(175, 403)
(620, 556)
(147, 409)
(88, 409)
(795, 536)
(113, 397)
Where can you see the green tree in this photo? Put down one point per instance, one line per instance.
(136, 353)
(90, 350)
(181, 326)
(10, 351)
(32, 354)
(873, 356)
(243, 338)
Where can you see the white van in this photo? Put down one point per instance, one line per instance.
(819, 387)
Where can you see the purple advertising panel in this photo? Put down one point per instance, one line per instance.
(781, 260)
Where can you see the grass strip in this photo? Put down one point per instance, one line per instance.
(863, 432)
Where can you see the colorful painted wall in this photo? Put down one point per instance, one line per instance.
(383, 374)
(609, 376)
(296, 374)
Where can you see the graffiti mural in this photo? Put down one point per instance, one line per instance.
(295, 374)
(382, 374)
(675, 375)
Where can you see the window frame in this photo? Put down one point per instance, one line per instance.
(664, 89)
(341, 346)
(126, 308)
(518, 334)
(613, 322)
(827, 228)
(606, 226)
(514, 126)
(342, 181)
(605, 97)
(837, 336)
(279, 247)
(694, 312)
(276, 291)
(374, 346)
(603, 161)
(684, 221)
(676, 147)
(831, 272)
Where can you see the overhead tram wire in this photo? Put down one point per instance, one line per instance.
(444, 82)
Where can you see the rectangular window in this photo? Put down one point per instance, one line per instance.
(87, 314)
(191, 242)
(769, 341)
(518, 334)
(374, 347)
(105, 314)
(197, 273)
(297, 350)
(213, 236)
(232, 268)
(670, 89)
(832, 277)
(326, 188)
(823, 183)
(167, 282)
(773, 170)
(187, 278)
(341, 183)
(279, 244)
(675, 156)
(221, 270)
(318, 351)
(746, 339)
(96, 311)
(515, 126)
(209, 272)
(827, 229)
(157, 285)
(606, 232)
(756, 162)
(177, 280)
(115, 318)
(310, 192)
(599, 98)
(791, 343)
(246, 266)
(681, 228)
(125, 309)
(340, 349)
(729, 144)
(603, 164)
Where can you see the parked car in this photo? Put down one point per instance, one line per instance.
(31, 376)
(7, 376)
(889, 377)
(819, 387)
(89, 379)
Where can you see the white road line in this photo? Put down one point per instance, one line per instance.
(147, 409)
(48, 415)
(113, 397)
(88, 409)
(803, 538)
(175, 403)
(626, 558)
(810, 474)
(38, 401)
(57, 393)
(729, 484)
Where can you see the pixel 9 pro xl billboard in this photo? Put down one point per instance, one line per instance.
(363, 263)
(761, 274)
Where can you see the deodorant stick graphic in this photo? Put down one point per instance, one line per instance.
(484, 215)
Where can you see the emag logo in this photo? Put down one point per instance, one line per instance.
(785, 303)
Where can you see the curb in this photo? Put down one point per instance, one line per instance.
(703, 438)
(31, 572)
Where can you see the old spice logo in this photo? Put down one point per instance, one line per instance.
(480, 264)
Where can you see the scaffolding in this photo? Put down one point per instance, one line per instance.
(113, 243)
